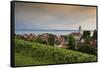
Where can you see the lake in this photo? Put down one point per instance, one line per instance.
(56, 32)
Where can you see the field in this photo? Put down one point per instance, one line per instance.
(32, 53)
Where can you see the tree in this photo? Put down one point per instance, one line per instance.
(86, 36)
(71, 42)
(51, 39)
(95, 34)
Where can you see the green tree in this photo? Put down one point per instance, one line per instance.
(86, 36)
(71, 42)
(95, 34)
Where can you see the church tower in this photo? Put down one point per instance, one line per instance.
(80, 29)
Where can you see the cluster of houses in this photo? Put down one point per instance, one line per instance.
(60, 41)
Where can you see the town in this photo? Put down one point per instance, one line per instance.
(72, 41)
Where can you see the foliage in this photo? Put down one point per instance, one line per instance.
(22, 60)
(71, 42)
(18, 36)
(86, 34)
(86, 48)
(95, 34)
(38, 39)
(49, 53)
(86, 37)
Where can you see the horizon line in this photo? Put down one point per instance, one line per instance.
(50, 30)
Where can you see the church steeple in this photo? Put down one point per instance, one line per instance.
(80, 29)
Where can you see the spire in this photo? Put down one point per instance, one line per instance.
(80, 29)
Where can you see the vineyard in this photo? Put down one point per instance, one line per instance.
(32, 53)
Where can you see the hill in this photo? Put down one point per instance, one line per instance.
(32, 53)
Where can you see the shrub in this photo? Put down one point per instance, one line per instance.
(86, 48)
(71, 42)
(18, 36)
(37, 39)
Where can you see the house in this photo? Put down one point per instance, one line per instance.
(60, 41)
(45, 38)
(93, 43)
(28, 36)
(25, 36)
(77, 36)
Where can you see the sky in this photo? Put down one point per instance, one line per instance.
(36, 16)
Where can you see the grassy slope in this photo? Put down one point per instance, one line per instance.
(26, 60)
(44, 54)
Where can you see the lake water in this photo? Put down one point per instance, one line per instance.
(56, 32)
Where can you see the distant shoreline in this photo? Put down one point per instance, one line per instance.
(53, 30)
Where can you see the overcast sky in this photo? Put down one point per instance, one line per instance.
(50, 16)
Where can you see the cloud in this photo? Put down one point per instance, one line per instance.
(50, 16)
